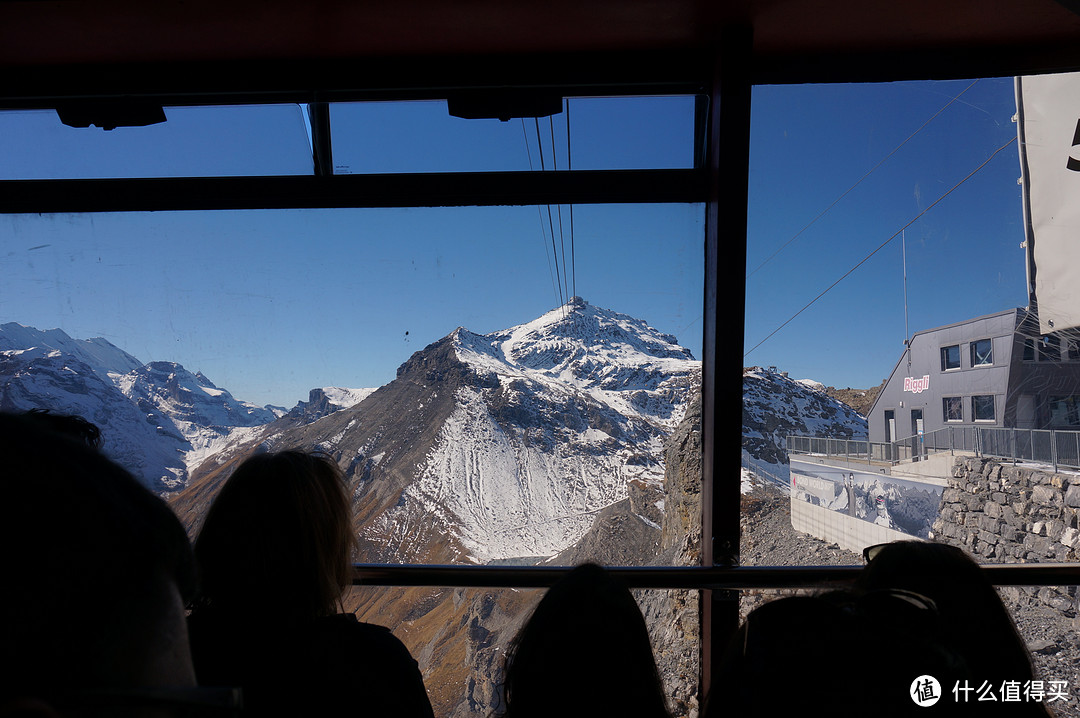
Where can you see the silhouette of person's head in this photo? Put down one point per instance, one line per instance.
(96, 573)
(841, 653)
(281, 522)
(71, 426)
(585, 651)
(975, 620)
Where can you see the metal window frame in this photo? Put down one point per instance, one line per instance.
(723, 75)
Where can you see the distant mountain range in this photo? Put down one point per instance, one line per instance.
(572, 437)
(157, 419)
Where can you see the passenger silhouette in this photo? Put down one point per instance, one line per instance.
(96, 573)
(973, 619)
(274, 554)
(584, 652)
(917, 610)
(71, 426)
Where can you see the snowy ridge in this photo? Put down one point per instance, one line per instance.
(775, 407)
(103, 357)
(155, 418)
(614, 358)
(344, 398)
(563, 412)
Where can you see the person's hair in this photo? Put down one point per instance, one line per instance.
(281, 525)
(585, 651)
(70, 425)
(89, 557)
(972, 612)
(816, 642)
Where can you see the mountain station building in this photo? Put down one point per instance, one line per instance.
(993, 371)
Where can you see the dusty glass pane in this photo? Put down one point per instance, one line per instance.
(867, 203)
(605, 133)
(460, 638)
(481, 414)
(238, 140)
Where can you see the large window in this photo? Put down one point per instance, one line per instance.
(982, 408)
(500, 384)
(1065, 411)
(953, 408)
(950, 357)
(982, 352)
(1049, 347)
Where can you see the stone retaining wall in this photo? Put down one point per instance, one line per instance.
(1002, 513)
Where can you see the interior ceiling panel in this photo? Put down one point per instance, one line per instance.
(107, 31)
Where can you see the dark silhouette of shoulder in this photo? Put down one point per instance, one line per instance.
(325, 666)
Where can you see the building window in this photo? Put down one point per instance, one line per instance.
(953, 408)
(1029, 349)
(1072, 350)
(982, 408)
(982, 353)
(1049, 348)
(1065, 411)
(950, 357)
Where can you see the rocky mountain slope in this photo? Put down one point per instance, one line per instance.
(775, 407)
(544, 441)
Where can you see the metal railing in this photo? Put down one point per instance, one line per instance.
(1055, 447)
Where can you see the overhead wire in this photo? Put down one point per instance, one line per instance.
(848, 191)
(569, 166)
(551, 225)
(881, 246)
(539, 212)
(558, 207)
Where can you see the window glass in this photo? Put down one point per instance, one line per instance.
(982, 408)
(222, 335)
(1029, 349)
(193, 142)
(1065, 411)
(604, 133)
(461, 638)
(982, 353)
(953, 408)
(1050, 348)
(950, 357)
(846, 233)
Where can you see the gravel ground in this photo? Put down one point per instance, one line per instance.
(769, 539)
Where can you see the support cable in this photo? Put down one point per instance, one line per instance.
(558, 207)
(881, 246)
(539, 212)
(860, 180)
(551, 225)
(569, 166)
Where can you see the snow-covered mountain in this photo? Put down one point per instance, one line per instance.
(503, 445)
(775, 407)
(326, 400)
(155, 418)
(103, 357)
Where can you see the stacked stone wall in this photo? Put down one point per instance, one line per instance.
(1004, 513)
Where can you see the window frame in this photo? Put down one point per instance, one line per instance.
(958, 402)
(726, 74)
(975, 411)
(945, 358)
(989, 356)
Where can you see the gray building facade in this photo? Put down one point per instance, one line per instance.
(994, 371)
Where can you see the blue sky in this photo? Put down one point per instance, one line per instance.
(271, 304)
(810, 144)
